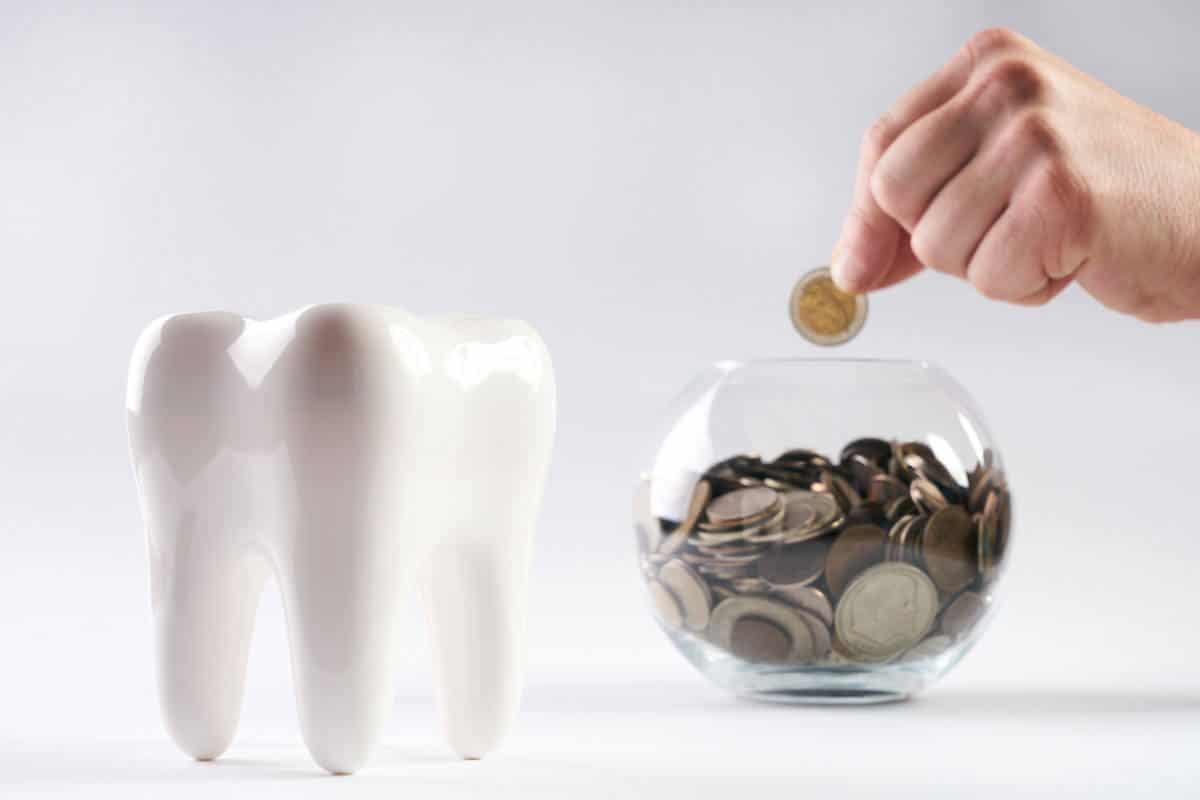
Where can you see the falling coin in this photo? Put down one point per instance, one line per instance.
(823, 313)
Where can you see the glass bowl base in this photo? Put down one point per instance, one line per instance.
(847, 684)
(826, 697)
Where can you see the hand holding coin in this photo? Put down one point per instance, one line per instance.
(1013, 170)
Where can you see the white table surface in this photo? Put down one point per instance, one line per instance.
(687, 740)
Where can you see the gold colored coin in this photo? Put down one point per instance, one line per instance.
(823, 313)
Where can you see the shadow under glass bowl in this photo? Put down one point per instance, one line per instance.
(823, 530)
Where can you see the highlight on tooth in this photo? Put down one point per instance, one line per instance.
(339, 448)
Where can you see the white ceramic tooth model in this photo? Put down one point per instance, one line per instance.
(341, 448)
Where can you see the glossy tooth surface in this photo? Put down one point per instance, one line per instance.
(341, 448)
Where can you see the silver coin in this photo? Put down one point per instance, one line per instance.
(927, 496)
(809, 515)
(666, 605)
(932, 647)
(822, 639)
(807, 598)
(692, 592)
(885, 611)
(744, 504)
(727, 613)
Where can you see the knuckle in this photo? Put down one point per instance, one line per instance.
(928, 247)
(881, 133)
(1032, 131)
(893, 196)
(1057, 187)
(1037, 300)
(1016, 79)
(990, 280)
(991, 40)
(990, 288)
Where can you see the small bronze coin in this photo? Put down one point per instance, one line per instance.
(760, 640)
(982, 481)
(855, 548)
(801, 457)
(794, 564)
(926, 495)
(899, 507)
(744, 504)
(861, 472)
(847, 496)
(883, 488)
(948, 549)
(877, 451)
(867, 511)
(910, 542)
(823, 313)
(963, 614)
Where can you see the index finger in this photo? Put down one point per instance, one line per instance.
(872, 251)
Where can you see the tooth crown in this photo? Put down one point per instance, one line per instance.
(341, 448)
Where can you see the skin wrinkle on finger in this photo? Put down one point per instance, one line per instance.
(952, 229)
(1105, 193)
(1009, 262)
(867, 228)
(926, 156)
(1052, 289)
(859, 269)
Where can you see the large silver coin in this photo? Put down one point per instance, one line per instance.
(727, 614)
(885, 611)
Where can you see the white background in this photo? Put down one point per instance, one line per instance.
(643, 183)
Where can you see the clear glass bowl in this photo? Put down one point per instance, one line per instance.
(823, 530)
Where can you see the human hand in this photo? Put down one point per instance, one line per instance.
(1019, 173)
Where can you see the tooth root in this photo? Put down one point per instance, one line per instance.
(341, 613)
(474, 600)
(343, 410)
(205, 585)
(206, 598)
(475, 580)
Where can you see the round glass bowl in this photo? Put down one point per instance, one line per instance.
(823, 530)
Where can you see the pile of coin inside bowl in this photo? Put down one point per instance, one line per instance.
(882, 556)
